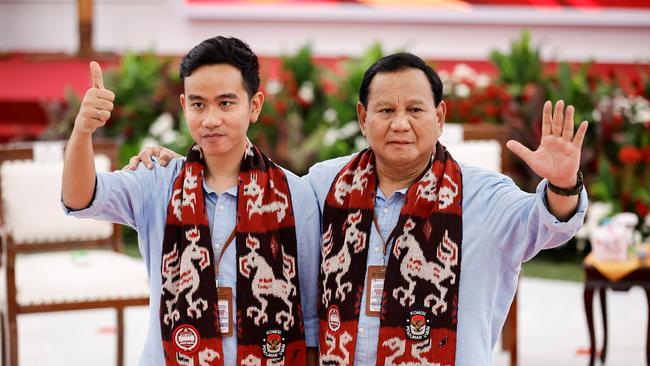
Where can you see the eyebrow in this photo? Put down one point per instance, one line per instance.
(222, 96)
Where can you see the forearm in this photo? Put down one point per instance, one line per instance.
(78, 171)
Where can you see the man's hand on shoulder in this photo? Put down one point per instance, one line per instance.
(163, 154)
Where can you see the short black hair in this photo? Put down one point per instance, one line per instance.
(398, 62)
(224, 50)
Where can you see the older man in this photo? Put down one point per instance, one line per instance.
(420, 254)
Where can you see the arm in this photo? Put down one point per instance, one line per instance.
(79, 165)
(557, 158)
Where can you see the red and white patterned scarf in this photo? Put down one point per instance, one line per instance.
(419, 307)
(269, 316)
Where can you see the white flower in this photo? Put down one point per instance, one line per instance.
(639, 111)
(482, 80)
(350, 129)
(306, 91)
(462, 90)
(169, 137)
(330, 115)
(162, 124)
(595, 215)
(273, 87)
(149, 142)
(463, 72)
(331, 136)
(360, 143)
(596, 115)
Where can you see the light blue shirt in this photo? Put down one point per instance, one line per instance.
(503, 226)
(139, 199)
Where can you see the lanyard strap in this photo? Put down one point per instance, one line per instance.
(385, 241)
(223, 250)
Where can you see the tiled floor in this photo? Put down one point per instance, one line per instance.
(552, 331)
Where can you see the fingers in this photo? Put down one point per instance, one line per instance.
(558, 118)
(580, 134)
(567, 130)
(546, 118)
(145, 157)
(96, 74)
(520, 150)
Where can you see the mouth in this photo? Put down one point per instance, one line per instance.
(399, 142)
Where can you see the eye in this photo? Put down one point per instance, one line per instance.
(197, 105)
(415, 110)
(226, 103)
(386, 111)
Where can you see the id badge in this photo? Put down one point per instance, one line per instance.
(374, 289)
(224, 304)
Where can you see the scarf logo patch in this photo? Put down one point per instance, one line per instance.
(186, 338)
(274, 344)
(418, 325)
(334, 318)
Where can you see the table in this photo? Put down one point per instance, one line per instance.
(618, 276)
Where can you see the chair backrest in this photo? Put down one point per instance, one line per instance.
(478, 145)
(30, 204)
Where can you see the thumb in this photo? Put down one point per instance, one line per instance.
(520, 150)
(96, 74)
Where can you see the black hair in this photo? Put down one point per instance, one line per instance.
(398, 62)
(224, 50)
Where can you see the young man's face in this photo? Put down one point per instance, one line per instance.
(218, 110)
(401, 123)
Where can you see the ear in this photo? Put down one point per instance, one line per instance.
(361, 116)
(441, 112)
(182, 100)
(256, 103)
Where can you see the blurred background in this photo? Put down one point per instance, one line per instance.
(499, 61)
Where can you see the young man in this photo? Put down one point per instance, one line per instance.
(420, 254)
(232, 270)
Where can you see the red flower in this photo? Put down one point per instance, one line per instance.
(646, 154)
(641, 208)
(629, 155)
(281, 107)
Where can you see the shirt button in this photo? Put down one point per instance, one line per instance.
(361, 330)
(376, 249)
(217, 246)
(221, 207)
(385, 210)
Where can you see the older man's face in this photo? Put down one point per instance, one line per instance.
(401, 123)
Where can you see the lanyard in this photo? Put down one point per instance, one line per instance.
(223, 250)
(385, 241)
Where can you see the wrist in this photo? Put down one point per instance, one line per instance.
(565, 189)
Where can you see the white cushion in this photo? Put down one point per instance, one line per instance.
(67, 277)
(31, 195)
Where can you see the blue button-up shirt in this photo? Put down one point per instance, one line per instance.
(502, 227)
(139, 199)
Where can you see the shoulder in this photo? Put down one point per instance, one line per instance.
(325, 171)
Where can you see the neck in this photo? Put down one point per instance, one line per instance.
(223, 171)
(393, 178)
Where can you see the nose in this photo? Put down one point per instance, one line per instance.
(212, 118)
(400, 122)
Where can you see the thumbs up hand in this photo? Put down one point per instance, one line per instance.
(97, 104)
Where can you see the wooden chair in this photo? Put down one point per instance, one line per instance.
(52, 262)
(485, 145)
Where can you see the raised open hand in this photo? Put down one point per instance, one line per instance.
(97, 104)
(558, 156)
